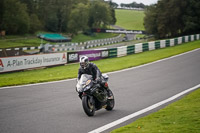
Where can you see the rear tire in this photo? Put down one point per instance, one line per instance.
(110, 103)
(88, 107)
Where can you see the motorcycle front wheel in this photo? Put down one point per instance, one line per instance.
(88, 106)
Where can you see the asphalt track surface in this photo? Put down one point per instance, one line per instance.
(56, 108)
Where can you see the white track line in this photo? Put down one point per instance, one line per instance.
(119, 121)
(107, 73)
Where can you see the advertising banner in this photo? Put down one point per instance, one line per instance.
(16, 63)
(120, 31)
(91, 54)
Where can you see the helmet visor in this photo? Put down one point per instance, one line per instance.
(83, 64)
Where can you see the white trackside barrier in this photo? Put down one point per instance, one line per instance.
(122, 51)
(171, 42)
(151, 45)
(162, 44)
(138, 48)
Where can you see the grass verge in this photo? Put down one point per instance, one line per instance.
(106, 65)
(84, 38)
(130, 19)
(179, 117)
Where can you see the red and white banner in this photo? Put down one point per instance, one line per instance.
(16, 63)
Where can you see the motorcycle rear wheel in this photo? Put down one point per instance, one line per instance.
(88, 106)
(110, 103)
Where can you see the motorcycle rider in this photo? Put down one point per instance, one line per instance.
(89, 68)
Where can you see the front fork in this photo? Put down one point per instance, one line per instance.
(82, 94)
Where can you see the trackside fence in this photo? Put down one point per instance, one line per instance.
(140, 47)
(16, 63)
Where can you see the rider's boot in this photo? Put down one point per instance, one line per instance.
(110, 95)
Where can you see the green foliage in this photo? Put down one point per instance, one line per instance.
(55, 14)
(113, 18)
(29, 16)
(15, 17)
(100, 14)
(35, 23)
(133, 5)
(173, 18)
(150, 20)
(79, 18)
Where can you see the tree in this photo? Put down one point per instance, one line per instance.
(113, 5)
(99, 14)
(1, 13)
(191, 18)
(15, 18)
(133, 5)
(54, 14)
(23, 16)
(150, 22)
(31, 5)
(35, 23)
(78, 18)
(173, 18)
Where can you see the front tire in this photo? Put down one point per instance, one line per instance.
(88, 106)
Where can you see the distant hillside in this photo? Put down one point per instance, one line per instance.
(130, 19)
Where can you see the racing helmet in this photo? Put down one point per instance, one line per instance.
(84, 62)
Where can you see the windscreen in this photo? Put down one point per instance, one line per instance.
(84, 78)
(82, 82)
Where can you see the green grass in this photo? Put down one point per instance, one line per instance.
(130, 19)
(20, 42)
(182, 116)
(33, 41)
(84, 38)
(106, 65)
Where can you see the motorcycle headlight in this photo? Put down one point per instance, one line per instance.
(88, 82)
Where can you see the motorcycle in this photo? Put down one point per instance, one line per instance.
(93, 95)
